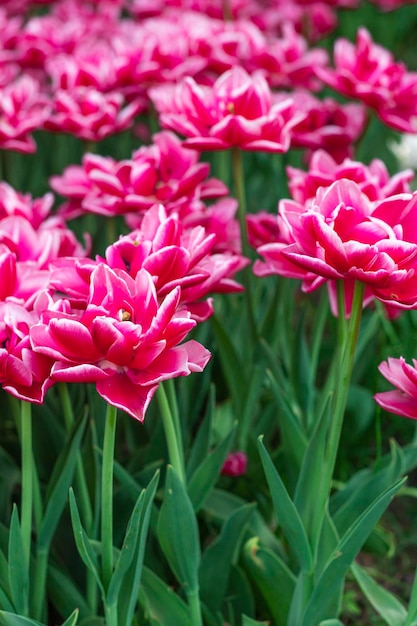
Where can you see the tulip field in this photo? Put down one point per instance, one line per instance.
(208, 313)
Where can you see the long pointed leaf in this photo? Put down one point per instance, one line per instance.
(162, 603)
(18, 568)
(84, 547)
(286, 512)
(384, 602)
(222, 550)
(344, 555)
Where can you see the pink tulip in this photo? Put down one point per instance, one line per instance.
(237, 111)
(164, 172)
(235, 464)
(367, 71)
(23, 373)
(124, 340)
(373, 180)
(402, 400)
(23, 109)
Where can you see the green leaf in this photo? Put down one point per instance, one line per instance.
(384, 602)
(286, 512)
(331, 622)
(201, 444)
(18, 568)
(59, 485)
(311, 495)
(363, 488)
(412, 607)
(130, 588)
(272, 578)
(248, 621)
(222, 550)
(84, 547)
(127, 551)
(177, 532)
(11, 619)
(345, 553)
(205, 476)
(72, 619)
(64, 594)
(161, 603)
(233, 369)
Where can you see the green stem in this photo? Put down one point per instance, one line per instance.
(239, 183)
(39, 583)
(83, 494)
(107, 494)
(27, 480)
(342, 378)
(194, 606)
(171, 434)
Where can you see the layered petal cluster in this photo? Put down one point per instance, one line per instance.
(125, 340)
(326, 124)
(367, 71)
(373, 179)
(342, 235)
(403, 399)
(164, 172)
(23, 372)
(173, 255)
(236, 111)
(23, 109)
(30, 239)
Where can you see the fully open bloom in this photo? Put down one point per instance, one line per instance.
(403, 399)
(341, 234)
(237, 111)
(373, 179)
(124, 340)
(163, 172)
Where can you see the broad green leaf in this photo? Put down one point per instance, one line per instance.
(84, 546)
(311, 494)
(127, 551)
(233, 369)
(128, 596)
(286, 512)
(240, 593)
(384, 602)
(331, 622)
(177, 532)
(205, 476)
(366, 488)
(72, 619)
(222, 550)
(344, 555)
(161, 602)
(272, 578)
(248, 621)
(11, 619)
(201, 444)
(59, 485)
(65, 595)
(412, 607)
(18, 568)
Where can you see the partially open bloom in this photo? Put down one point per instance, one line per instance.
(403, 399)
(237, 111)
(235, 464)
(124, 340)
(367, 71)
